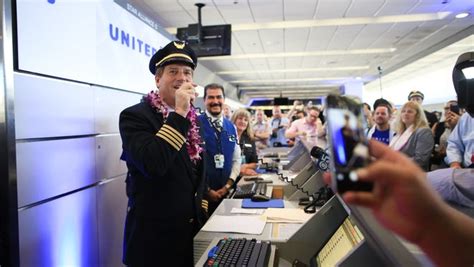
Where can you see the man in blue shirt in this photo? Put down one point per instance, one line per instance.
(381, 130)
(222, 149)
(460, 151)
(278, 124)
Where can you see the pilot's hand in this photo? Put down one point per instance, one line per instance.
(184, 96)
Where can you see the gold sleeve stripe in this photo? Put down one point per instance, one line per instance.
(178, 134)
(170, 135)
(178, 144)
(159, 134)
(204, 205)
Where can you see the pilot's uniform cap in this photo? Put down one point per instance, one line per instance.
(174, 52)
(416, 93)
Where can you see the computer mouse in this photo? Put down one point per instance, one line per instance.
(260, 198)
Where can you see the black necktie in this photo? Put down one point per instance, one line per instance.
(217, 124)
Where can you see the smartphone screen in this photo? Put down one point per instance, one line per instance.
(454, 108)
(348, 143)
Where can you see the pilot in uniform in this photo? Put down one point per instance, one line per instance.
(165, 180)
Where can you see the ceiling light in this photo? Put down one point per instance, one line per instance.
(235, 72)
(304, 54)
(335, 22)
(288, 80)
(341, 21)
(266, 87)
(462, 15)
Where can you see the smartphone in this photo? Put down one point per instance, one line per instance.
(348, 143)
(454, 108)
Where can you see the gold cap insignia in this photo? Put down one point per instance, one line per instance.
(179, 45)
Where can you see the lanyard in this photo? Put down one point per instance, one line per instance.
(217, 134)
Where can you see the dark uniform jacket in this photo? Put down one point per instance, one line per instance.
(248, 148)
(163, 186)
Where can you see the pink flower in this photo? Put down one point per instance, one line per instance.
(193, 137)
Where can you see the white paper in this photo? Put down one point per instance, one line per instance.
(247, 211)
(287, 215)
(284, 231)
(235, 224)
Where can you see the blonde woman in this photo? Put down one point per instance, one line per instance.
(413, 135)
(241, 120)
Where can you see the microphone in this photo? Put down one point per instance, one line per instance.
(322, 157)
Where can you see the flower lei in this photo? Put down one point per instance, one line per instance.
(193, 139)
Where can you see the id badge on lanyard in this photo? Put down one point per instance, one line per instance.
(219, 161)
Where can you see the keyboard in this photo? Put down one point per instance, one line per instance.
(249, 190)
(239, 252)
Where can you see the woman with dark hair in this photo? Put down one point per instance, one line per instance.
(414, 137)
(241, 120)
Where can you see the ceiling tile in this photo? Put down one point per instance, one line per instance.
(330, 9)
(364, 8)
(299, 9)
(344, 36)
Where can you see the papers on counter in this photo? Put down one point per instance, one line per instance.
(283, 231)
(235, 224)
(247, 211)
(286, 215)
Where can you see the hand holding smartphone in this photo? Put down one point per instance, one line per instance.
(454, 108)
(348, 143)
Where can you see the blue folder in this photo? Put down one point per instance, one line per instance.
(272, 203)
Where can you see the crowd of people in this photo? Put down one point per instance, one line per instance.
(182, 164)
(426, 137)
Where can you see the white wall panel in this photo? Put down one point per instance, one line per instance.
(49, 168)
(62, 232)
(47, 107)
(109, 46)
(109, 149)
(111, 211)
(108, 105)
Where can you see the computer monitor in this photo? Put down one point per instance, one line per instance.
(298, 162)
(361, 241)
(296, 150)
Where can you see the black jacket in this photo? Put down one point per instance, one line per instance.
(164, 188)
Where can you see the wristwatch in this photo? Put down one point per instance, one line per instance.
(228, 186)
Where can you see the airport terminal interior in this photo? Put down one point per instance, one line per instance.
(306, 86)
